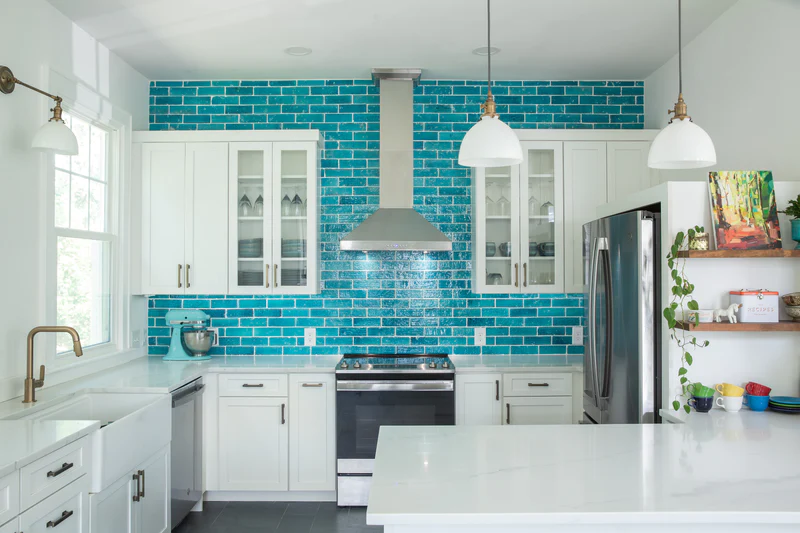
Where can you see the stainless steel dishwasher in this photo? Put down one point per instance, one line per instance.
(187, 449)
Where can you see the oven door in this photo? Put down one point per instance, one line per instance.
(363, 406)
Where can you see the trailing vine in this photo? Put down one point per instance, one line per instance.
(680, 304)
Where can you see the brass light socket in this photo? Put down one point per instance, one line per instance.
(7, 80)
(679, 111)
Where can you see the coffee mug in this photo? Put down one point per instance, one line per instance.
(732, 404)
(701, 405)
(727, 389)
(700, 390)
(533, 249)
(756, 403)
(757, 389)
(491, 249)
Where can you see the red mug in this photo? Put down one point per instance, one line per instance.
(757, 389)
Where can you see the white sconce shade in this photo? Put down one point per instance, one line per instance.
(490, 143)
(682, 145)
(55, 137)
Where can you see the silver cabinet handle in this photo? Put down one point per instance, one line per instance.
(538, 384)
(275, 276)
(508, 414)
(64, 468)
(283, 413)
(188, 266)
(266, 275)
(138, 491)
(253, 385)
(312, 384)
(497, 390)
(64, 516)
(180, 267)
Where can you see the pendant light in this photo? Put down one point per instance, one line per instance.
(682, 144)
(490, 142)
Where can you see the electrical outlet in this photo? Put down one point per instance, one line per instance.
(480, 336)
(310, 337)
(136, 338)
(577, 335)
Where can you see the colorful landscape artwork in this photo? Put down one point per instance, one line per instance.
(744, 210)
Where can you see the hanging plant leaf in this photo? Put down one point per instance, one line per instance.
(676, 405)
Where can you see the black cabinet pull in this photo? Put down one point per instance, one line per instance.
(64, 468)
(538, 384)
(508, 414)
(253, 385)
(64, 516)
(283, 413)
(137, 493)
(141, 476)
(497, 390)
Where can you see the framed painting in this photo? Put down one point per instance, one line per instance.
(743, 210)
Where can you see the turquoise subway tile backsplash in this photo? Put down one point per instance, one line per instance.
(389, 302)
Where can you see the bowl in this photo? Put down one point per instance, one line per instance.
(198, 341)
(794, 312)
(792, 299)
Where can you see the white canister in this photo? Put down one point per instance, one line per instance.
(758, 305)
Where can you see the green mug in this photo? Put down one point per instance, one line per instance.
(700, 390)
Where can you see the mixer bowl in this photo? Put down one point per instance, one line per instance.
(198, 341)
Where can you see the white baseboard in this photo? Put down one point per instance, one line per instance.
(268, 496)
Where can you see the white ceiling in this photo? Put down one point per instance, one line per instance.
(245, 39)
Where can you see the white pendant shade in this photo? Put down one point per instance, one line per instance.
(682, 145)
(55, 137)
(490, 143)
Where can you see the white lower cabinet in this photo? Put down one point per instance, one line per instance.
(312, 432)
(253, 444)
(538, 410)
(136, 503)
(11, 527)
(478, 400)
(66, 511)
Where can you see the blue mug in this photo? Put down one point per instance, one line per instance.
(756, 403)
(701, 405)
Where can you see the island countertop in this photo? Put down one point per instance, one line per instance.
(737, 469)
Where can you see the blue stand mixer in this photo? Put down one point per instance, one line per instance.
(191, 336)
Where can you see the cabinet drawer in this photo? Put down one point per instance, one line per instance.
(9, 497)
(66, 511)
(542, 410)
(253, 385)
(55, 470)
(535, 384)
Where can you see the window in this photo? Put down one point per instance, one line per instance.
(84, 237)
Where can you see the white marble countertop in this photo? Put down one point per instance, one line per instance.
(717, 468)
(24, 441)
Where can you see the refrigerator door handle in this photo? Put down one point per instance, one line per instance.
(604, 390)
(600, 244)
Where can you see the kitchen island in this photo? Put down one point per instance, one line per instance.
(740, 471)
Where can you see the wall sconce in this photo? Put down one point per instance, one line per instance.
(54, 136)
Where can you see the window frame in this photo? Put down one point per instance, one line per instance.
(114, 212)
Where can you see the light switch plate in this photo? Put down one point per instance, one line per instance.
(480, 336)
(577, 335)
(310, 337)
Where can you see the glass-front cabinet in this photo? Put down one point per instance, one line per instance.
(274, 215)
(519, 223)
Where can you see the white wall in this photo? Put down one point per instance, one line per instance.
(44, 48)
(740, 81)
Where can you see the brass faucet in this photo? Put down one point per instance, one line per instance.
(32, 384)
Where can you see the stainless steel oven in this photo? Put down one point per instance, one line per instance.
(375, 391)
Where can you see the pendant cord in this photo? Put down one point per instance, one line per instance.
(489, 42)
(680, 52)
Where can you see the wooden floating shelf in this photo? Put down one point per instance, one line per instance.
(717, 254)
(783, 325)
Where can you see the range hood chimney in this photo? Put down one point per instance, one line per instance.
(395, 226)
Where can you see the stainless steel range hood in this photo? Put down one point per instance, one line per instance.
(395, 225)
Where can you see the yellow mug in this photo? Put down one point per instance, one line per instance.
(727, 389)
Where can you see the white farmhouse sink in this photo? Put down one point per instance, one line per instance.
(134, 427)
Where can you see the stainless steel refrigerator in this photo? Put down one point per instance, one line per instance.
(622, 364)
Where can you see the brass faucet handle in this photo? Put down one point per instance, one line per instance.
(39, 383)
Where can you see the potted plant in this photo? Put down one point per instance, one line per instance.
(793, 210)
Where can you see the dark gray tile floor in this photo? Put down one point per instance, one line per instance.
(283, 517)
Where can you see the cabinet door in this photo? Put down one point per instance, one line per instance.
(66, 511)
(113, 508)
(541, 410)
(163, 217)
(584, 191)
(206, 263)
(250, 215)
(478, 399)
(541, 218)
(11, 527)
(312, 432)
(627, 168)
(253, 444)
(294, 227)
(154, 504)
(496, 230)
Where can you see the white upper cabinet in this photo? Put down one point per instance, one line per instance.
(585, 191)
(627, 168)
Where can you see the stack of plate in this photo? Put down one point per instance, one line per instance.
(250, 278)
(293, 277)
(785, 404)
(293, 248)
(249, 248)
